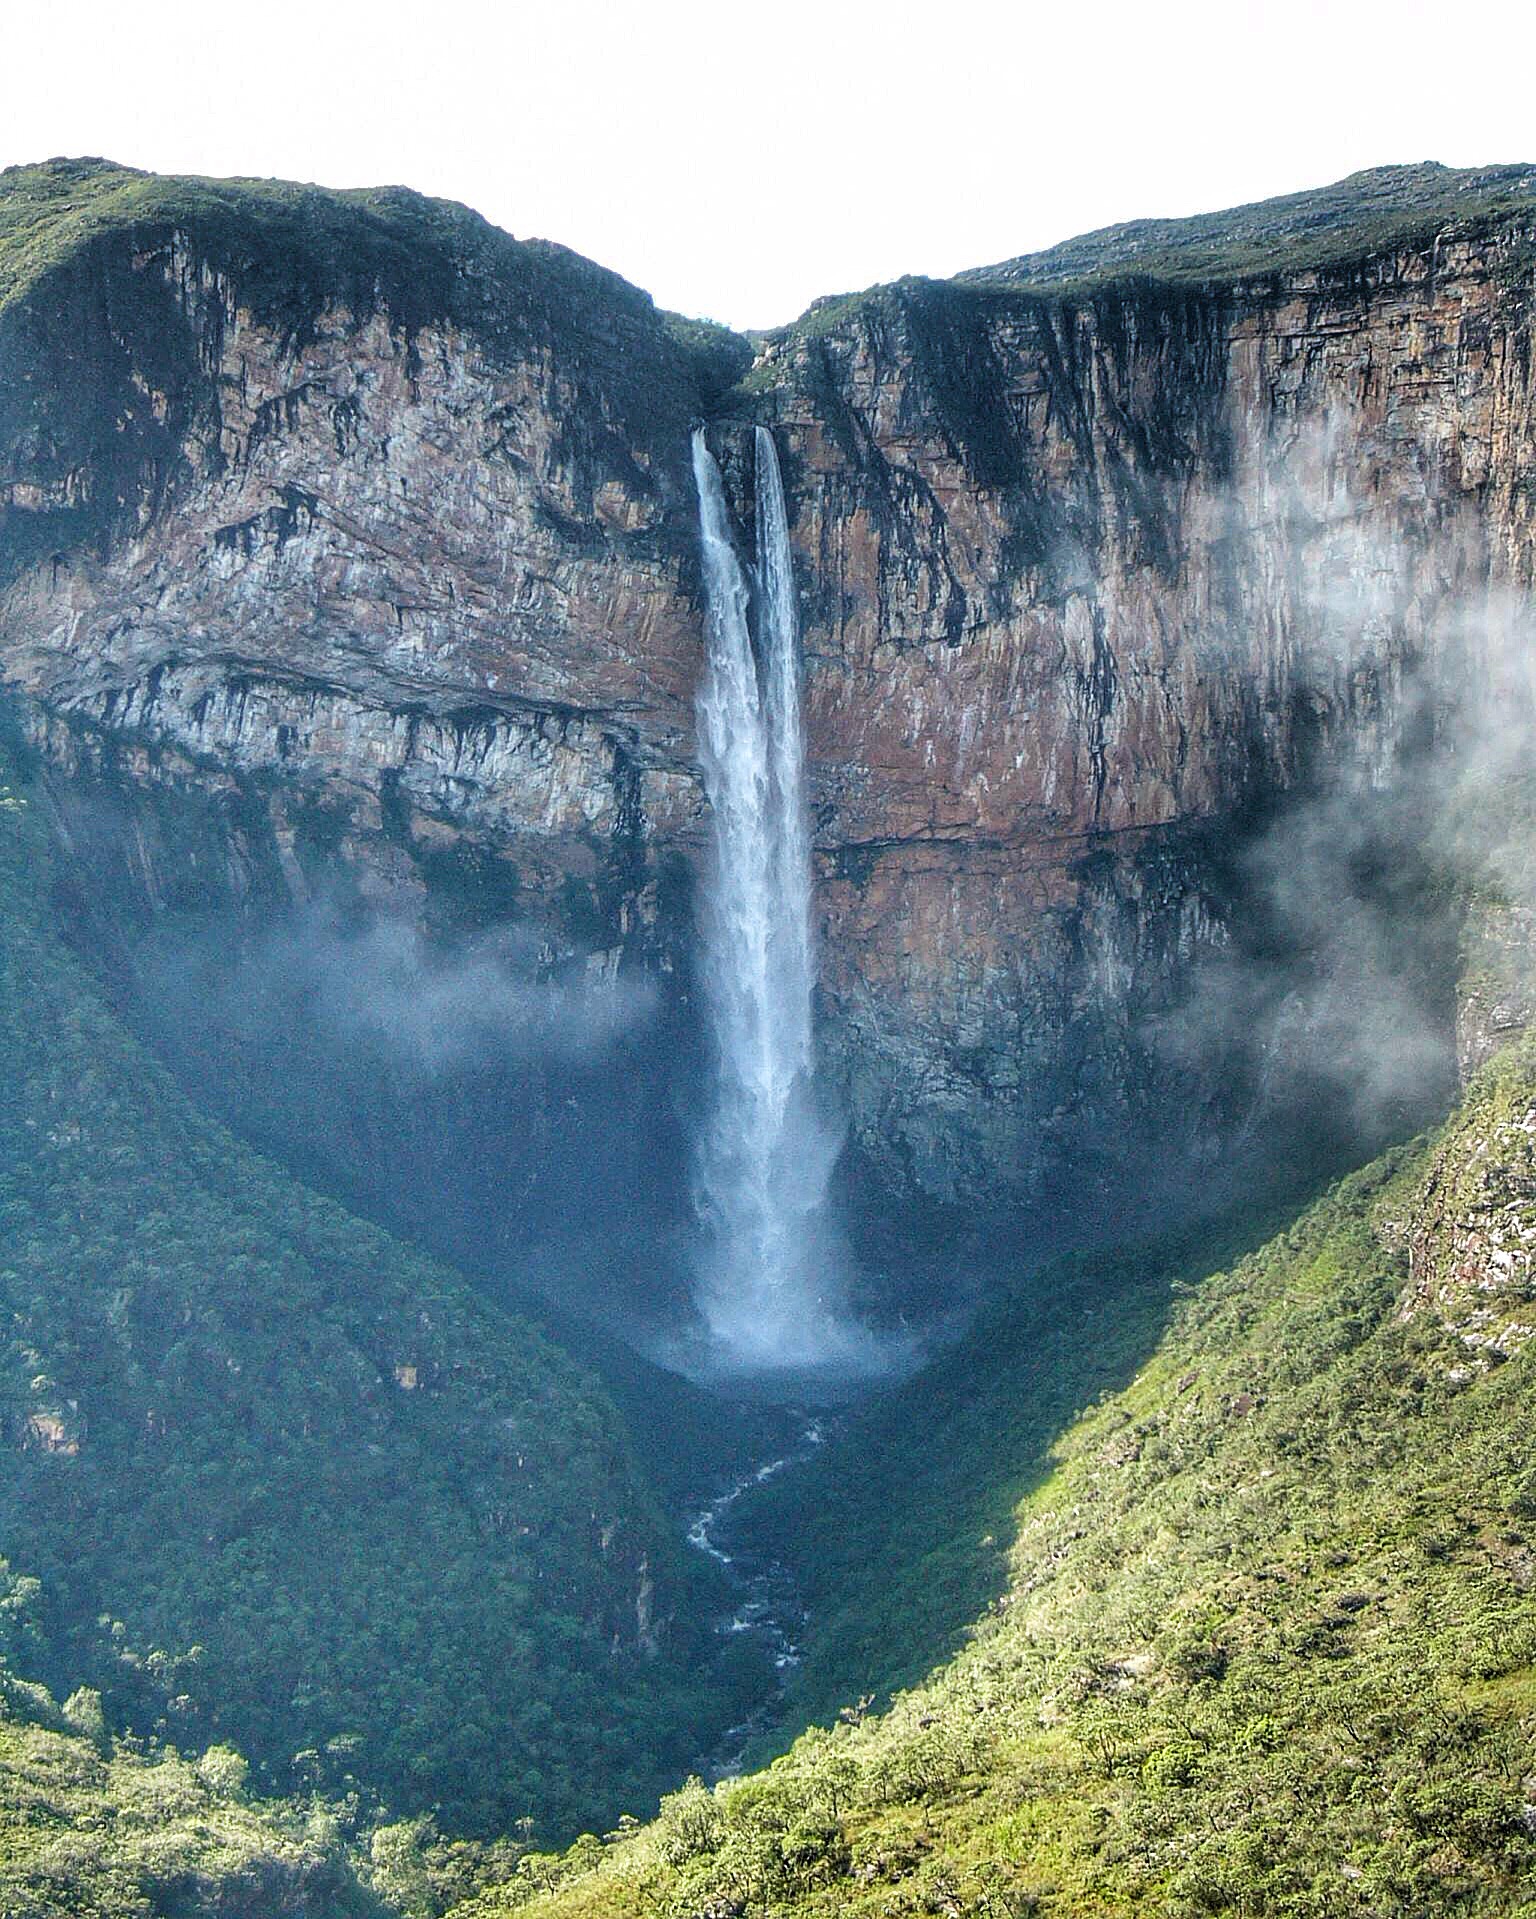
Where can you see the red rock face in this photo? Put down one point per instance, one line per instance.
(1082, 578)
(1082, 581)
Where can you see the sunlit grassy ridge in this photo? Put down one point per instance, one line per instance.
(1269, 1638)
(1373, 212)
(902, 1524)
(290, 246)
(88, 1831)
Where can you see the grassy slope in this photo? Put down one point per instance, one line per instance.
(1374, 212)
(1269, 1643)
(95, 1828)
(92, 1832)
(902, 1523)
(290, 245)
(323, 1501)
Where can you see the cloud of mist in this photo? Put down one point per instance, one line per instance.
(1332, 994)
(1349, 900)
(438, 1006)
(427, 1007)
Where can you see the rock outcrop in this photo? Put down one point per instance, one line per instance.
(392, 569)
(408, 543)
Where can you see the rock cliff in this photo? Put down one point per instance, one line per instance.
(344, 534)
(361, 496)
(1091, 575)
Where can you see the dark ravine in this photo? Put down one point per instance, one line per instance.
(769, 1611)
(384, 570)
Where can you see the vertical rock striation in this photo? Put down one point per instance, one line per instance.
(392, 571)
(1099, 578)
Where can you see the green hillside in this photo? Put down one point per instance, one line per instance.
(1268, 1643)
(902, 1523)
(93, 1830)
(290, 246)
(1192, 1579)
(1370, 213)
(291, 1486)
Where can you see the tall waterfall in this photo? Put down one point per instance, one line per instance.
(769, 1287)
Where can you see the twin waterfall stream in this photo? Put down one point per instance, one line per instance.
(769, 1285)
(770, 1280)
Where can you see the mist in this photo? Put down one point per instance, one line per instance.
(430, 1006)
(517, 1109)
(1354, 899)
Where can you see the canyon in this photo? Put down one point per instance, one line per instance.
(685, 1010)
(347, 536)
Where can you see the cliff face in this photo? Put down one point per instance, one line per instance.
(1088, 575)
(1090, 579)
(370, 545)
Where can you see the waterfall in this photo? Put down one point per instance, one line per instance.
(770, 1281)
(786, 757)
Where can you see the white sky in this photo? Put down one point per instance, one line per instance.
(739, 160)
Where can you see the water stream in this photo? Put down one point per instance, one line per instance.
(768, 1604)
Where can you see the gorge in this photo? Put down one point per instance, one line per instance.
(575, 882)
(1087, 578)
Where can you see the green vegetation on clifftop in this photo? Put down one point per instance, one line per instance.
(1339, 229)
(289, 248)
(1375, 212)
